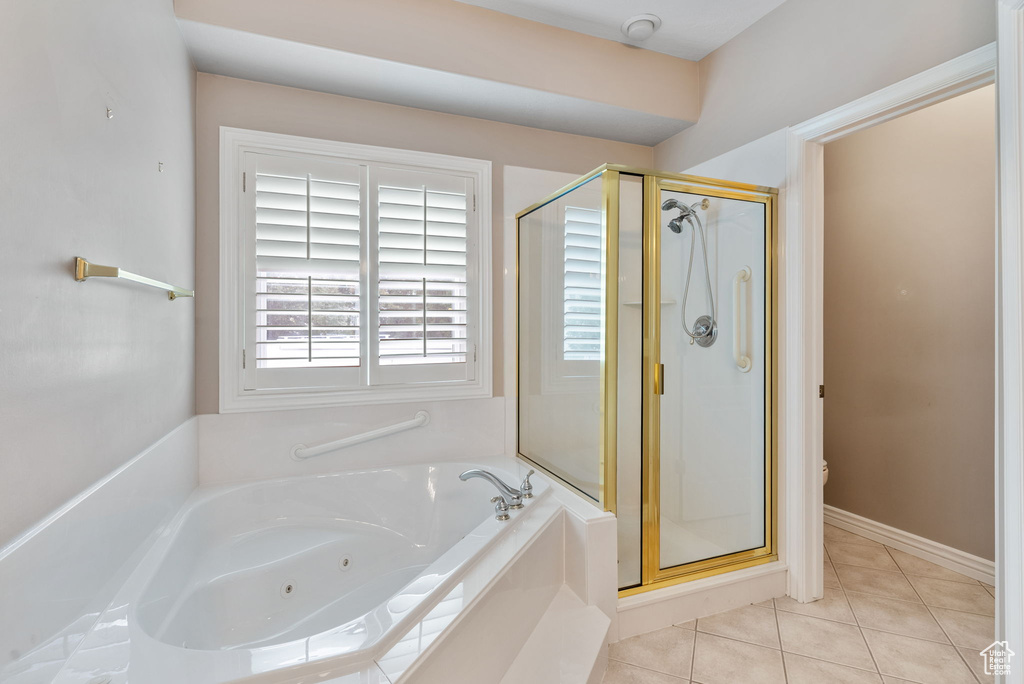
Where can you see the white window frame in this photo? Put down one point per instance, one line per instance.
(235, 143)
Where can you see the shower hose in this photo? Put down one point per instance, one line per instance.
(698, 229)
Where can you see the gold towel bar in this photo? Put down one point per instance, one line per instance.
(83, 270)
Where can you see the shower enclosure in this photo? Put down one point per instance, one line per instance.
(645, 364)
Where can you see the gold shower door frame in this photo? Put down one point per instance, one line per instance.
(652, 575)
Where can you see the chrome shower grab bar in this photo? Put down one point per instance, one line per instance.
(85, 270)
(739, 319)
(301, 452)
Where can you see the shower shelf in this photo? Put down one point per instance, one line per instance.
(664, 302)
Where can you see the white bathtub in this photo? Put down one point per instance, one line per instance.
(329, 569)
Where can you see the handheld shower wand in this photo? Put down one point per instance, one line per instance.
(705, 328)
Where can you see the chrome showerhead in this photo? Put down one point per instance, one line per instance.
(685, 212)
(673, 203)
(676, 224)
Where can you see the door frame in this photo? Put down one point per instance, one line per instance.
(1009, 334)
(802, 256)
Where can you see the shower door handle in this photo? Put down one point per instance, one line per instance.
(739, 319)
(659, 379)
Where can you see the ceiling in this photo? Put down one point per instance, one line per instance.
(254, 57)
(690, 28)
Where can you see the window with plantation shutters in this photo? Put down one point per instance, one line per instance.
(422, 276)
(307, 270)
(582, 322)
(362, 276)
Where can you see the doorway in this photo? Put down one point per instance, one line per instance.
(909, 379)
(909, 323)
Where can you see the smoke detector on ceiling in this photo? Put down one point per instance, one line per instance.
(641, 27)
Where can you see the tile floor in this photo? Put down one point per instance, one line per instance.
(887, 618)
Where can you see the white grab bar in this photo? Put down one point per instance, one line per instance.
(739, 318)
(301, 451)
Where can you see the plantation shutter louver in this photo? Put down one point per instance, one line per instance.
(307, 277)
(582, 322)
(423, 273)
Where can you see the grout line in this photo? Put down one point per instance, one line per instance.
(656, 672)
(872, 567)
(917, 603)
(956, 650)
(992, 617)
(971, 580)
(778, 633)
(860, 628)
(832, 662)
(876, 629)
(647, 669)
(818, 617)
(744, 641)
(866, 542)
(693, 651)
(866, 567)
(972, 583)
(850, 565)
(741, 641)
(893, 598)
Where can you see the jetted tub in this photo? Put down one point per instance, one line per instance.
(261, 577)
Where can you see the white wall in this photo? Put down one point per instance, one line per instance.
(759, 162)
(91, 373)
(810, 56)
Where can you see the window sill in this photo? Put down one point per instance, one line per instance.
(243, 401)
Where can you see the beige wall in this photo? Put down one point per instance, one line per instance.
(909, 322)
(91, 373)
(225, 101)
(810, 56)
(463, 39)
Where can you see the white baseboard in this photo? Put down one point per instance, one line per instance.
(940, 554)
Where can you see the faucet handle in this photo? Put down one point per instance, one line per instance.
(500, 507)
(526, 488)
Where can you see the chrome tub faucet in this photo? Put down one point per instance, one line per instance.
(509, 497)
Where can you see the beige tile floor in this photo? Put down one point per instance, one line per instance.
(887, 618)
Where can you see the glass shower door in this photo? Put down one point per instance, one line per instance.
(710, 477)
(562, 263)
(644, 372)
